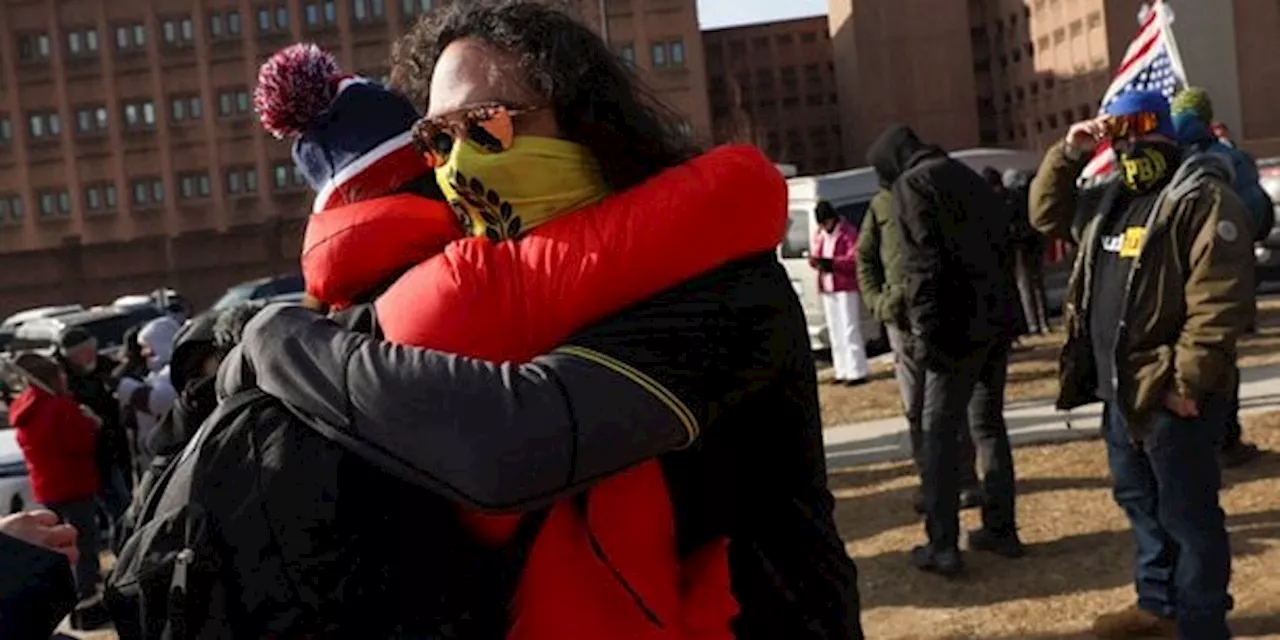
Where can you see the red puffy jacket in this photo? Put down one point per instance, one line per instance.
(612, 570)
(58, 442)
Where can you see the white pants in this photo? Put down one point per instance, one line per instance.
(844, 315)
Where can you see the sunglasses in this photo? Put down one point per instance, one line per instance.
(488, 125)
(1134, 125)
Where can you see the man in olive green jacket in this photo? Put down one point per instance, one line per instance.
(880, 280)
(1161, 290)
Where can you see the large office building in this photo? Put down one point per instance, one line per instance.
(1017, 73)
(774, 85)
(130, 156)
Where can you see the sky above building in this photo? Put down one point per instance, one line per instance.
(714, 14)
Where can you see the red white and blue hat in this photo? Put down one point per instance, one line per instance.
(352, 137)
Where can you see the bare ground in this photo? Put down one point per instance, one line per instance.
(1080, 551)
(1033, 370)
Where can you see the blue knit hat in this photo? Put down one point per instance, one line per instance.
(1134, 102)
(352, 136)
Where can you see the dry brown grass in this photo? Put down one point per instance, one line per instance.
(1033, 370)
(1080, 551)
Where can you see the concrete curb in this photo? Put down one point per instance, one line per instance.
(1033, 422)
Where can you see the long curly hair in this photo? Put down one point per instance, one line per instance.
(599, 101)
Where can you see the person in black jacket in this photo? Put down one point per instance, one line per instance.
(715, 377)
(89, 379)
(36, 586)
(954, 236)
(198, 349)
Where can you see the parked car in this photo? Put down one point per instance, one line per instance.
(38, 313)
(107, 324)
(261, 289)
(1267, 252)
(850, 192)
(15, 486)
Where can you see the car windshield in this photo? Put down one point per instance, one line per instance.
(110, 331)
(235, 295)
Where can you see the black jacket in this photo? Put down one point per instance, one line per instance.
(715, 377)
(955, 244)
(36, 590)
(96, 391)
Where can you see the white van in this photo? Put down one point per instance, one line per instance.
(850, 192)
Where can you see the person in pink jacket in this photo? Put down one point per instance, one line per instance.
(835, 257)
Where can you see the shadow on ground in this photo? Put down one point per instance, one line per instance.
(1243, 626)
(1050, 569)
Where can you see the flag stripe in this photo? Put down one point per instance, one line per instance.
(1148, 65)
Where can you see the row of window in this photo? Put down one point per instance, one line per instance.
(136, 114)
(148, 192)
(783, 41)
(180, 31)
(665, 54)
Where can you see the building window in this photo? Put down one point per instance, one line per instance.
(90, 120)
(282, 18)
(628, 54)
(788, 78)
(178, 32)
(785, 40)
(215, 25)
(54, 203)
(368, 10)
(186, 108)
(233, 23)
(808, 37)
(17, 209)
(148, 191)
(330, 12)
(193, 185)
(311, 13)
(1076, 28)
(1059, 35)
(131, 36)
(659, 54)
(264, 20)
(1095, 20)
(45, 124)
(82, 43)
(139, 114)
(415, 7)
(668, 54)
(33, 47)
(233, 102)
(6, 131)
(242, 180)
(287, 176)
(100, 197)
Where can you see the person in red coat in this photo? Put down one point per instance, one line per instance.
(59, 439)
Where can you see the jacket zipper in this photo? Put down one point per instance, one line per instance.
(1154, 224)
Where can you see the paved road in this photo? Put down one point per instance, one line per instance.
(1029, 422)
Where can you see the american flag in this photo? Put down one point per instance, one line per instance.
(1151, 63)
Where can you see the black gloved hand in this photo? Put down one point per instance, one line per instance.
(826, 265)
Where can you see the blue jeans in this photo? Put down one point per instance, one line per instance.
(1167, 484)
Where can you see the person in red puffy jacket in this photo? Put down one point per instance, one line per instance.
(59, 438)
(531, 118)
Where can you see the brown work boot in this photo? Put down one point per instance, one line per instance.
(1133, 623)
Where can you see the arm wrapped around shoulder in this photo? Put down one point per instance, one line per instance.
(1219, 291)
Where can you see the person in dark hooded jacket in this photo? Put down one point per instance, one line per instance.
(199, 348)
(954, 244)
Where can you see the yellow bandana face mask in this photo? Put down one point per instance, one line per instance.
(503, 195)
